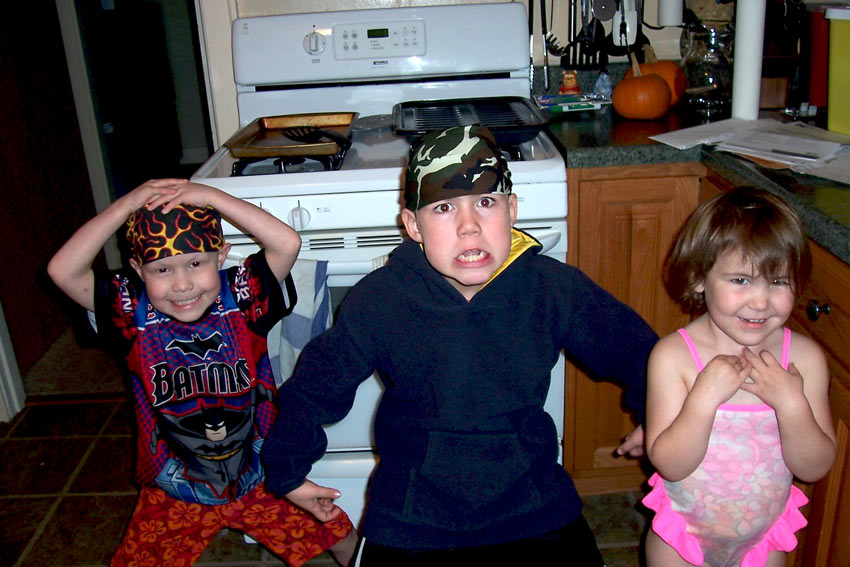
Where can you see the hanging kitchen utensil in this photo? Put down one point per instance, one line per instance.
(588, 43)
(612, 42)
(551, 43)
(604, 10)
(585, 35)
(569, 57)
(544, 31)
(531, 44)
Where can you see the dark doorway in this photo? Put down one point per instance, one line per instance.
(144, 64)
(46, 190)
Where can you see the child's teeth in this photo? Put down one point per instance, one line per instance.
(471, 256)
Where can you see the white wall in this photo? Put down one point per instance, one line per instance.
(216, 16)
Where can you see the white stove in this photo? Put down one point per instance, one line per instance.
(367, 61)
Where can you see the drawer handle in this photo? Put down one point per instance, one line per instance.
(814, 309)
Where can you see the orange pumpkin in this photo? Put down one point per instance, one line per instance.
(667, 70)
(641, 97)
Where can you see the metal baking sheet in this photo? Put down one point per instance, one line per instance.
(262, 138)
(512, 120)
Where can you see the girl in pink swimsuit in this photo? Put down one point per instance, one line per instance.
(728, 437)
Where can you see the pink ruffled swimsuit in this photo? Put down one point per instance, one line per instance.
(739, 504)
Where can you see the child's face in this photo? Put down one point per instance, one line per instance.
(183, 286)
(745, 305)
(466, 239)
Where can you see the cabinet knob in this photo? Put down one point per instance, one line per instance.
(814, 309)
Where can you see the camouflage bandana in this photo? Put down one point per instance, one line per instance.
(154, 235)
(463, 160)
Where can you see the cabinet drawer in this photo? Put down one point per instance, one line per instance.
(829, 285)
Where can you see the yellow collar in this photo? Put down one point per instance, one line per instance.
(520, 242)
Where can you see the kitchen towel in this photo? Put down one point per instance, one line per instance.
(309, 318)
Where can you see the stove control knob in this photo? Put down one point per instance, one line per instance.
(299, 218)
(314, 43)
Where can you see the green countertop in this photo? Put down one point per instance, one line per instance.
(596, 139)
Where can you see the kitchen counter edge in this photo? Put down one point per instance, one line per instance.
(822, 228)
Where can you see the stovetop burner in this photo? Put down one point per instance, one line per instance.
(286, 164)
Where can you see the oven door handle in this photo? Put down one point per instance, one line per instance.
(358, 268)
(548, 239)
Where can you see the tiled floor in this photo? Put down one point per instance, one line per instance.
(66, 493)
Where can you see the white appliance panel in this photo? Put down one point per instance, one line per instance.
(274, 50)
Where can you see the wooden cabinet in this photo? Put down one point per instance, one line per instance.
(621, 223)
(825, 542)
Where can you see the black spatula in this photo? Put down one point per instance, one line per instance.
(313, 135)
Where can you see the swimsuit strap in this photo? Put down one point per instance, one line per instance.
(786, 346)
(692, 347)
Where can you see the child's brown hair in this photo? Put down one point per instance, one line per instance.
(761, 226)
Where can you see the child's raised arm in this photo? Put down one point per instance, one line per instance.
(281, 242)
(71, 267)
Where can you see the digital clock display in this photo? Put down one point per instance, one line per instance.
(378, 33)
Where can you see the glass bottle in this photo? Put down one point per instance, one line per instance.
(708, 74)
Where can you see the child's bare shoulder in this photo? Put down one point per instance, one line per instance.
(671, 350)
(805, 352)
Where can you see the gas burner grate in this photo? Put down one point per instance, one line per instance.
(285, 164)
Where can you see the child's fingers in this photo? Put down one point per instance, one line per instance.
(168, 182)
(764, 357)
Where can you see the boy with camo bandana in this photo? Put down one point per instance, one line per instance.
(463, 326)
(194, 339)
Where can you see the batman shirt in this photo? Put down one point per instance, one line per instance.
(204, 392)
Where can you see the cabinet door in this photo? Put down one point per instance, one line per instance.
(625, 228)
(826, 540)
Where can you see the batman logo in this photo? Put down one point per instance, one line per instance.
(198, 346)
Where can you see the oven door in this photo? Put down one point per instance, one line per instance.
(352, 255)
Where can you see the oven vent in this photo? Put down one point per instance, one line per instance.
(379, 240)
(353, 240)
(322, 242)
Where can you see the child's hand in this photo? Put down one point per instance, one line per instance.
(316, 500)
(721, 378)
(187, 193)
(771, 382)
(149, 193)
(632, 445)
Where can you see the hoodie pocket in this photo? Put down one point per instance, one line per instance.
(468, 481)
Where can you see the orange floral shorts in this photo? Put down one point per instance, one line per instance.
(171, 533)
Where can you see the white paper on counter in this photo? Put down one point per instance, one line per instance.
(835, 169)
(781, 148)
(706, 133)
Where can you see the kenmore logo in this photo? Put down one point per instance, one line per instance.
(380, 62)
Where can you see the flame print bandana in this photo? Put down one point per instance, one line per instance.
(154, 235)
(463, 160)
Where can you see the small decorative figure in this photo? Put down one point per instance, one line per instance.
(569, 83)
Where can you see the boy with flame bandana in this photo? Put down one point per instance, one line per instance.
(463, 325)
(194, 338)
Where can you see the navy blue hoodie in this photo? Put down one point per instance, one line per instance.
(467, 454)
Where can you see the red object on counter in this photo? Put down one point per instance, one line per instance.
(818, 59)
